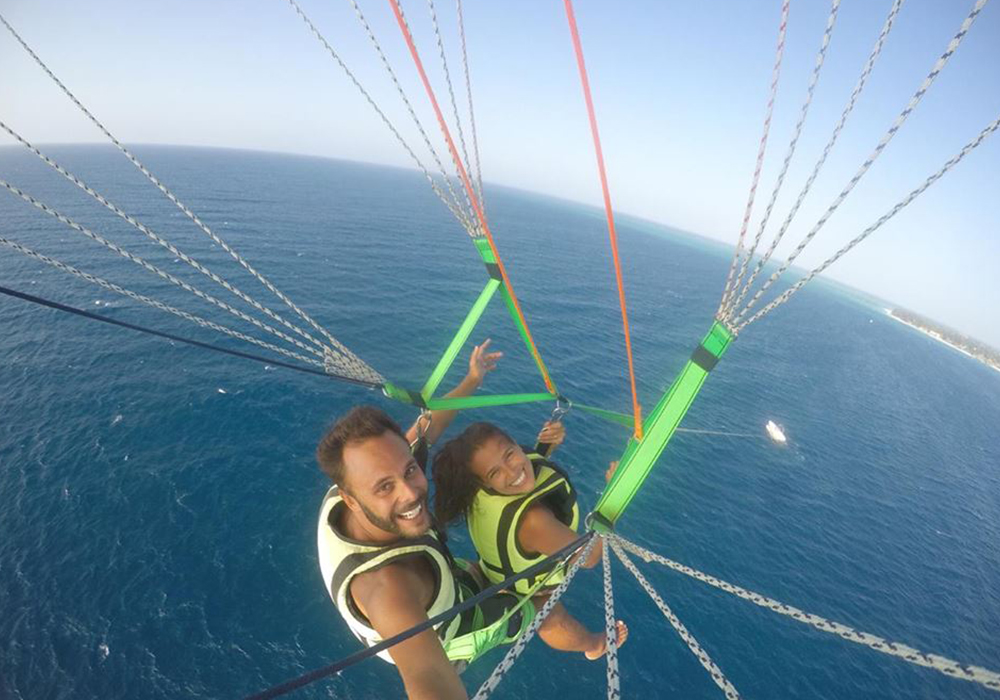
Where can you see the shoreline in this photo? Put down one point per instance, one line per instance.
(938, 338)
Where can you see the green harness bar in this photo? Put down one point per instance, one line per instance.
(659, 426)
(425, 397)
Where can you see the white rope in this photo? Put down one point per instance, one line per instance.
(783, 297)
(369, 375)
(775, 74)
(803, 112)
(610, 628)
(976, 674)
(886, 138)
(703, 658)
(110, 286)
(455, 158)
(490, 684)
(454, 204)
(855, 94)
(155, 238)
(472, 112)
(169, 195)
(451, 90)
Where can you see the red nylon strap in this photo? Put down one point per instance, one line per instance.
(472, 195)
(637, 410)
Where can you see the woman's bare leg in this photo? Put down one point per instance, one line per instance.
(563, 632)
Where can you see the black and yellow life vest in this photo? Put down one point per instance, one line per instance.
(494, 520)
(464, 637)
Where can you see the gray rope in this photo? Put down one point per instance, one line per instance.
(472, 112)
(455, 158)
(914, 101)
(454, 204)
(976, 674)
(610, 628)
(490, 684)
(813, 80)
(370, 374)
(447, 79)
(112, 287)
(783, 297)
(169, 195)
(154, 237)
(775, 74)
(703, 658)
(859, 86)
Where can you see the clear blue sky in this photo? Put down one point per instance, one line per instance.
(680, 90)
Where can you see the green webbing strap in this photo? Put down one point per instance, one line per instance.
(483, 246)
(461, 402)
(613, 416)
(425, 398)
(444, 364)
(640, 456)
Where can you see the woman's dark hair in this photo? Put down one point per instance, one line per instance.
(454, 483)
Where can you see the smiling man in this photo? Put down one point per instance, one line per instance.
(385, 565)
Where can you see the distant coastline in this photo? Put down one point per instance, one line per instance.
(971, 347)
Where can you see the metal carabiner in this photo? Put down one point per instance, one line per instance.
(563, 406)
(422, 426)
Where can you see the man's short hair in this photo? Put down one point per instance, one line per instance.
(359, 424)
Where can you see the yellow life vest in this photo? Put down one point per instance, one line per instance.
(494, 520)
(497, 620)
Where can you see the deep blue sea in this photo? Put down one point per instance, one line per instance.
(157, 526)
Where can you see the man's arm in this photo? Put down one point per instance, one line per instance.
(391, 598)
(480, 364)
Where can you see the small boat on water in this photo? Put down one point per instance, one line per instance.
(775, 432)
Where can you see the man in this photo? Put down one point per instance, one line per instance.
(385, 566)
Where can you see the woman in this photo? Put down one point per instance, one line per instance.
(520, 508)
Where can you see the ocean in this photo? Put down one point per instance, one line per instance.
(157, 532)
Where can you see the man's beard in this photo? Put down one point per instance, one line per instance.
(390, 525)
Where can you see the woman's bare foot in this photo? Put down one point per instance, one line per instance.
(622, 636)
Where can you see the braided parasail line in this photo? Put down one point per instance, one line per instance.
(914, 101)
(859, 86)
(775, 74)
(610, 629)
(408, 37)
(157, 271)
(490, 684)
(451, 90)
(204, 323)
(155, 238)
(472, 112)
(783, 297)
(609, 213)
(460, 168)
(454, 204)
(703, 658)
(813, 80)
(180, 205)
(976, 674)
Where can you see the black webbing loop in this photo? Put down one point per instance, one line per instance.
(179, 339)
(704, 358)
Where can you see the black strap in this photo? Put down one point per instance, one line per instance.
(179, 339)
(704, 358)
(358, 656)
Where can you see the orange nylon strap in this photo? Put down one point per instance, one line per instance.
(472, 195)
(636, 408)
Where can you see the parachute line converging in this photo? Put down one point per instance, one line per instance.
(317, 352)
